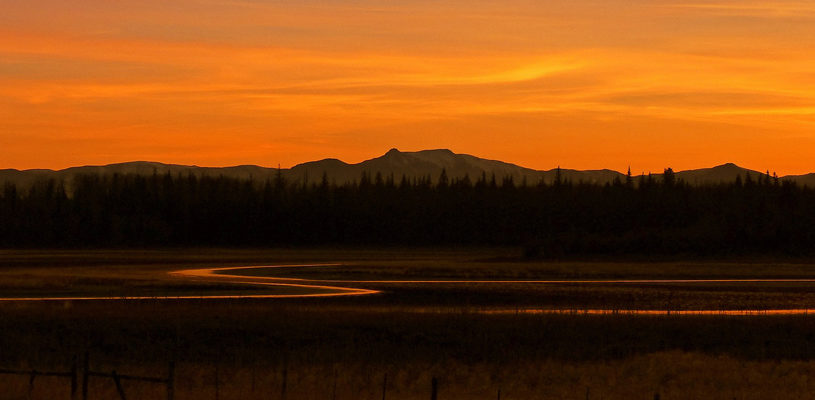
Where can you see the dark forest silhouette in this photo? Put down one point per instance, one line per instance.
(634, 215)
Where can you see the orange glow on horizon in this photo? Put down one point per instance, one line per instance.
(579, 84)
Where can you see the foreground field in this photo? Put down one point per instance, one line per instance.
(409, 332)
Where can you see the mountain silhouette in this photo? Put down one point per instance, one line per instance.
(26, 178)
(805, 180)
(724, 173)
(394, 163)
(431, 163)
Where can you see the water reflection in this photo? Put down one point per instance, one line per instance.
(328, 288)
(623, 312)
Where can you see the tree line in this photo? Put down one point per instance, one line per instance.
(635, 215)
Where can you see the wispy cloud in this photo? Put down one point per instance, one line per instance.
(284, 78)
(765, 9)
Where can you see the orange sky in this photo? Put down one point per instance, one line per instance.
(578, 83)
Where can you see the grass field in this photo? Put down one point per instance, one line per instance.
(410, 332)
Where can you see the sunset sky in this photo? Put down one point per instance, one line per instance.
(578, 83)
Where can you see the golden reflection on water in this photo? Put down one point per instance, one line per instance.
(625, 312)
(321, 288)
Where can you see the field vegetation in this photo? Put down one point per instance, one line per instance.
(410, 332)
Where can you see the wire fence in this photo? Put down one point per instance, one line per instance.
(86, 373)
(79, 377)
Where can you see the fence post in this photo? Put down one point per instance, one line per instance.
(285, 379)
(384, 386)
(73, 378)
(334, 391)
(31, 383)
(499, 393)
(171, 380)
(85, 377)
(217, 389)
(118, 383)
(434, 389)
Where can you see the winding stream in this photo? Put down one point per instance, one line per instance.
(335, 288)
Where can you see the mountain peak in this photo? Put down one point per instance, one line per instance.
(393, 151)
(324, 163)
(438, 151)
(729, 165)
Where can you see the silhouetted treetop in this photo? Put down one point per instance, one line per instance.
(641, 216)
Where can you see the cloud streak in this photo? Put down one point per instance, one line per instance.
(770, 9)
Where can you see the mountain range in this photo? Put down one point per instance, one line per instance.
(395, 163)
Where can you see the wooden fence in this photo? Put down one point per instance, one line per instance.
(169, 381)
(34, 373)
(86, 373)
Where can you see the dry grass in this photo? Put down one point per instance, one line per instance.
(674, 375)
(361, 339)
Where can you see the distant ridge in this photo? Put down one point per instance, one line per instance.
(718, 174)
(394, 163)
(430, 163)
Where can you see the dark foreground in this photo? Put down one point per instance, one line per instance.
(345, 348)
